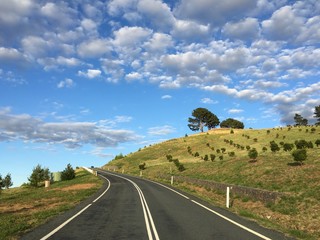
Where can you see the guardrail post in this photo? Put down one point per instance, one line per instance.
(171, 180)
(140, 173)
(228, 197)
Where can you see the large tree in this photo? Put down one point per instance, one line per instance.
(202, 117)
(39, 175)
(317, 114)
(300, 121)
(231, 123)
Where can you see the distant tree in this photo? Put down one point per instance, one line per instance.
(300, 121)
(317, 114)
(299, 155)
(202, 117)
(119, 156)
(7, 181)
(39, 175)
(68, 173)
(317, 142)
(231, 123)
(253, 154)
(1, 183)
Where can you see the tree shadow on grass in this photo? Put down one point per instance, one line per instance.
(294, 164)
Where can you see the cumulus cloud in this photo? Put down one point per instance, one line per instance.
(215, 12)
(235, 111)
(90, 73)
(94, 48)
(161, 130)
(70, 134)
(247, 29)
(67, 83)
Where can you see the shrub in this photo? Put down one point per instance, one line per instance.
(317, 142)
(231, 131)
(299, 155)
(221, 157)
(223, 150)
(196, 154)
(274, 146)
(142, 166)
(300, 144)
(313, 130)
(253, 154)
(310, 144)
(212, 157)
(206, 158)
(288, 147)
(264, 149)
(248, 147)
(231, 154)
(68, 173)
(255, 139)
(218, 150)
(169, 158)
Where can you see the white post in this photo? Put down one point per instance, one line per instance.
(171, 180)
(122, 171)
(228, 197)
(96, 173)
(140, 173)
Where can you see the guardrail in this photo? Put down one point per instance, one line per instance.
(91, 171)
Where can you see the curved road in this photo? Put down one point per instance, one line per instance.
(134, 208)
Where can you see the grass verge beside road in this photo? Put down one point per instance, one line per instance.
(24, 208)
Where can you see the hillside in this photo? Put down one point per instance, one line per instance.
(298, 213)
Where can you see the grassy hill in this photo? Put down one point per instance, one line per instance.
(298, 213)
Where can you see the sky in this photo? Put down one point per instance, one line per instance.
(83, 81)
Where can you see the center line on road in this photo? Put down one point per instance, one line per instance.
(146, 210)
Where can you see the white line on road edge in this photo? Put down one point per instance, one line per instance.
(235, 223)
(76, 215)
(146, 211)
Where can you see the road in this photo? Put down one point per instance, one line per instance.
(133, 208)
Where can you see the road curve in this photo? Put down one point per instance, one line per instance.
(133, 208)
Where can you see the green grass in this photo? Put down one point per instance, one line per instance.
(22, 209)
(296, 213)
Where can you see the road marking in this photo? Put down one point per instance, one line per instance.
(146, 211)
(76, 215)
(231, 221)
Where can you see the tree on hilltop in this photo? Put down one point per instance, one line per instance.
(39, 175)
(231, 123)
(202, 117)
(68, 173)
(317, 114)
(300, 121)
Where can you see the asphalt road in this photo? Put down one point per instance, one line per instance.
(133, 208)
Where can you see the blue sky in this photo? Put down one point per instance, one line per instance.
(82, 81)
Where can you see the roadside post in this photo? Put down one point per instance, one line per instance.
(228, 197)
(171, 180)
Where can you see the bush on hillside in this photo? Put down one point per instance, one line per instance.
(299, 155)
(288, 147)
(300, 144)
(68, 173)
(274, 146)
(39, 175)
(253, 154)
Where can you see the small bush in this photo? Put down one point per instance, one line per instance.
(274, 146)
(300, 144)
(317, 142)
(169, 158)
(196, 154)
(206, 158)
(212, 157)
(231, 154)
(142, 166)
(221, 157)
(253, 154)
(287, 147)
(299, 155)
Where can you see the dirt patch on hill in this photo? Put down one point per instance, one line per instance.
(81, 186)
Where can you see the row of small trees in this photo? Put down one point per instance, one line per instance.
(40, 174)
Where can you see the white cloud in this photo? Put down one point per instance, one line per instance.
(208, 101)
(70, 134)
(166, 97)
(134, 76)
(235, 111)
(67, 83)
(91, 73)
(161, 130)
(247, 29)
(130, 36)
(215, 12)
(94, 48)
